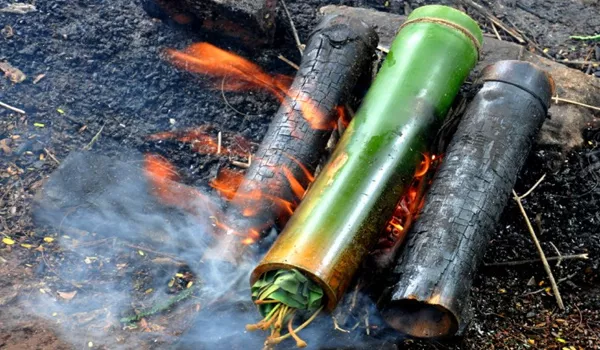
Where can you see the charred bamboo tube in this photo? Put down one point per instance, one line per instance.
(340, 218)
(338, 51)
(465, 201)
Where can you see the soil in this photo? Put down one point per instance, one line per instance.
(105, 80)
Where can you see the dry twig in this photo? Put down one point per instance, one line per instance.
(557, 99)
(294, 31)
(290, 63)
(496, 31)
(583, 256)
(483, 11)
(219, 137)
(51, 156)
(94, 139)
(9, 107)
(243, 165)
(538, 245)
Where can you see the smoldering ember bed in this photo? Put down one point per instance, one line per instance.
(225, 174)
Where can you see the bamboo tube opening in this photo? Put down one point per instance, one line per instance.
(421, 319)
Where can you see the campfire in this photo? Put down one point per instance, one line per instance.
(355, 210)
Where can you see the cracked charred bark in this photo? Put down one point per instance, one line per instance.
(338, 52)
(434, 273)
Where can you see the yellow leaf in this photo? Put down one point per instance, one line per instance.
(561, 340)
(60, 111)
(141, 253)
(546, 50)
(531, 341)
(8, 241)
(25, 245)
(171, 282)
(190, 283)
(502, 291)
(54, 314)
(180, 275)
(48, 239)
(148, 291)
(39, 125)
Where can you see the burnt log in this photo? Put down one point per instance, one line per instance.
(252, 21)
(338, 52)
(434, 273)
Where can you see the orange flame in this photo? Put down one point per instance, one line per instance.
(227, 182)
(252, 198)
(204, 58)
(163, 181)
(237, 74)
(408, 206)
(343, 116)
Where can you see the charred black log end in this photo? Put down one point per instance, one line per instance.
(421, 319)
(433, 276)
(340, 29)
(523, 75)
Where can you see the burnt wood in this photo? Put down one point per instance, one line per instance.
(434, 273)
(339, 51)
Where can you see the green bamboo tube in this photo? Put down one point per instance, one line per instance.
(339, 219)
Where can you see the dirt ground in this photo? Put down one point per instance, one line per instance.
(96, 79)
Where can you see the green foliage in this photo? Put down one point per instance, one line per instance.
(289, 287)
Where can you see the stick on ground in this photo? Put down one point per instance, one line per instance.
(538, 246)
(9, 107)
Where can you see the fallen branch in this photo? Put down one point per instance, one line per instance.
(539, 246)
(14, 109)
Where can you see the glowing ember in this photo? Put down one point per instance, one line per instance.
(202, 142)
